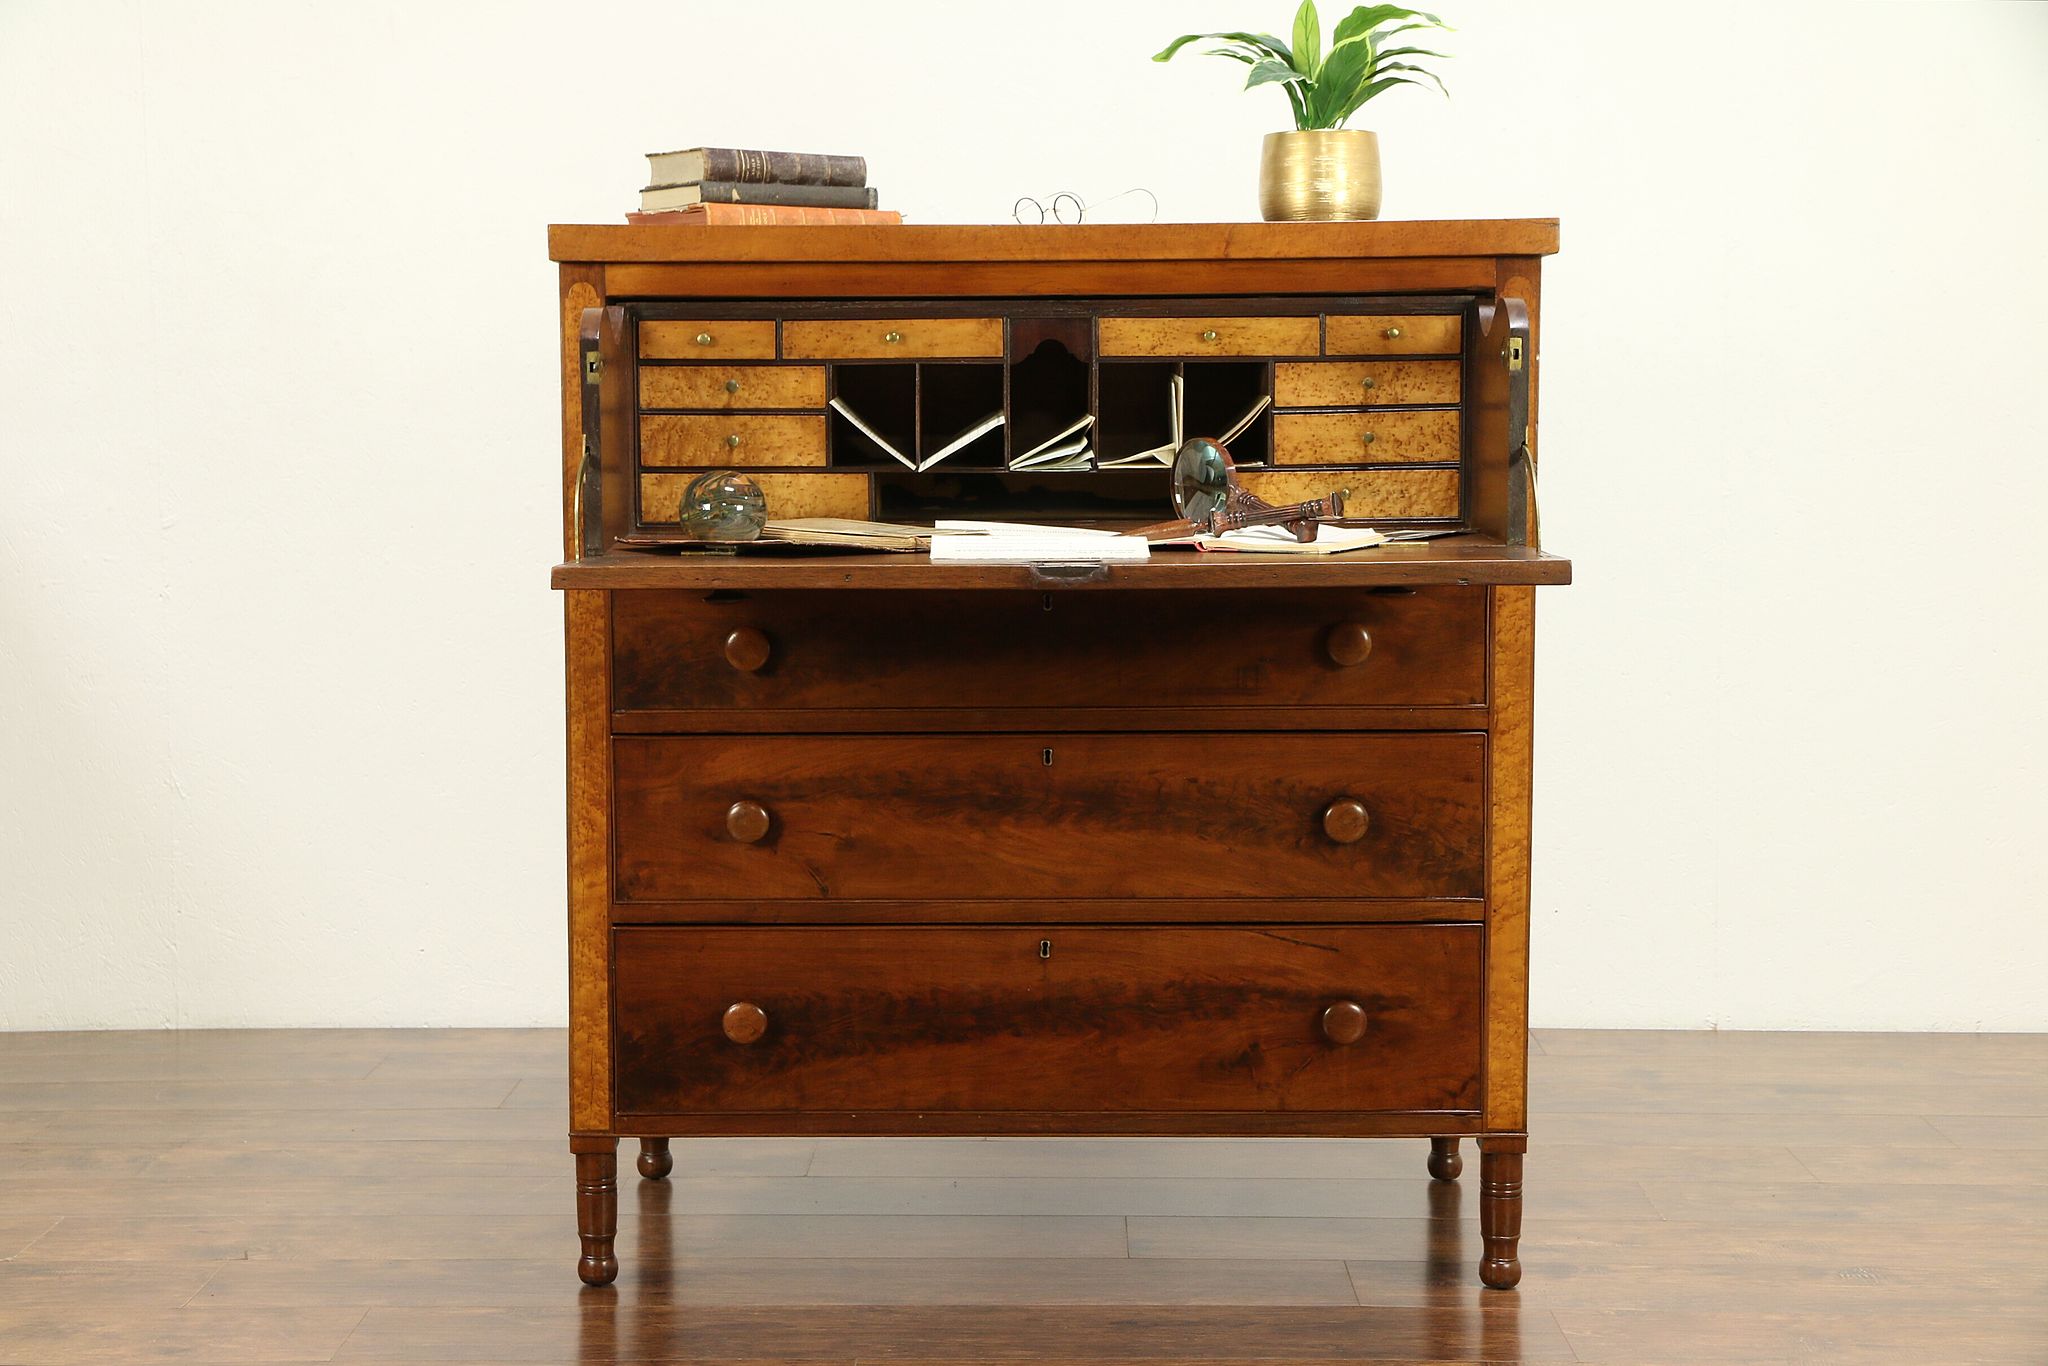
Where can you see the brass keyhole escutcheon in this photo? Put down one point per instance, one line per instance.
(703, 339)
(1046, 756)
(1045, 948)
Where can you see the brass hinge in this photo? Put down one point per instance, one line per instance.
(593, 366)
(1514, 355)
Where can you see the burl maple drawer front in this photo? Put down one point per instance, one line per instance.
(732, 386)
(1354, 384)
(1394, 335)
(1365, 438)
(892, 338)
(694, 440)
(773, 817)
(841, 649)
(1051, 1018)
(1208, 336)
(714, 339)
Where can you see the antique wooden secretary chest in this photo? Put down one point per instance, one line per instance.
(1212, 844)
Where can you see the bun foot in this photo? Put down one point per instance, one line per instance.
(1444, 1162)
(656, 1161)
(1500, 1273)
(598, 1270)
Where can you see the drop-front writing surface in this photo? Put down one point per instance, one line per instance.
(1229, 844)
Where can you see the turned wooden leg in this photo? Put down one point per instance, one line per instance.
(1444, 1162)
(1500, 1209)
(655, 1159)
(597, 1208)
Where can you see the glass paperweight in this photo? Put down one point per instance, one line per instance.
(723, 505)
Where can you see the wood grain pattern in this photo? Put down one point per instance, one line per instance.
(579, 290)
(1208, 336)
(847, 649)
(741, 440)
(870, 338)
(588, 647)
(732, 386)
(1392, 334)
(1039, 279)
(961, 817)
(1374, 494)
(1349, 384)
(728, 339)
(1509, 765)
(788, 495)
(1071, 1018)
(1361, 438)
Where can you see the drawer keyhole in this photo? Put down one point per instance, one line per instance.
(1045, 948)
(1046, 755)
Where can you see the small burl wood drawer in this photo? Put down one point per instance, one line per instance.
(1365, 438)
(1366, 384)
(1007, 816)
(732, 386)
(1208, 336)
(1289, 1018)
(1435, 334)
(970, 652)
(693, 440)
(891, 338)
(708, 339)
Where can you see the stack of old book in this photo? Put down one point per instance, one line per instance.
(729, 185)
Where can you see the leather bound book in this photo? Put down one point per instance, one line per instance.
(755, 168)
(655, 198)
(716, 215)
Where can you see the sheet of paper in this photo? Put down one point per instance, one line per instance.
(1023, 543)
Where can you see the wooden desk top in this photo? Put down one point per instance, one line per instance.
(1078, 242)
(1416, 564)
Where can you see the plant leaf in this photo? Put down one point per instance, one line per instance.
(1365, 93)
(1265, 41)
(1308, 40)
(1367, 18)
(1344, 71)
(1266, 73)
(1404, 66)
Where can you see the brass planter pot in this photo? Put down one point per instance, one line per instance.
(1322, 176)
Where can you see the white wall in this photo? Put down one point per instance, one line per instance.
(280, 726)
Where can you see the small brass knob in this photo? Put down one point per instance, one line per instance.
(892, 337)
(703, 339)
(1343, 1022)
(1344, 820)
(747, 822)
(747, 650)
(734, 440)
(1369, 382)
(1209, 335)
(745, 1022)
(1393, 334)
(1368, 438)
(732, 386)
(1348, 644)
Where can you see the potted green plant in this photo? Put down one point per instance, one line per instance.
(1323, 170)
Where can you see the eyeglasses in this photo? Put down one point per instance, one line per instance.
(1066, 207)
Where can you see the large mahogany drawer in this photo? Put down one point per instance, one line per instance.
(948, 651)
(776, 817)
(1047, 1018)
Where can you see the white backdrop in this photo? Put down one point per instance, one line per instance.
(280, 728)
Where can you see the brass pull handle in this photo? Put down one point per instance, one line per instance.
(1348, 644)
(1368, 438)
(733, 440)
(703, 339)
(1393, 334)
(747, 650)
(747, 822)
(732, 386)
(1209, 335)
(1345, 820)
(1369, 382)
(1343, 1022)
(744, 1022)
(892, 337)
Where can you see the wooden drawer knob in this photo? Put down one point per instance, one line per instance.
(1344, 820)
(746, 650)
(1348, 644)
(745, 1022)
(1343, 1023)
(747, 822)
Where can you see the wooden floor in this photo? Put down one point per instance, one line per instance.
(407, 1197)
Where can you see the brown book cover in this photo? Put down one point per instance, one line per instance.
(765, 214)
(656, 198)
(759, 168)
